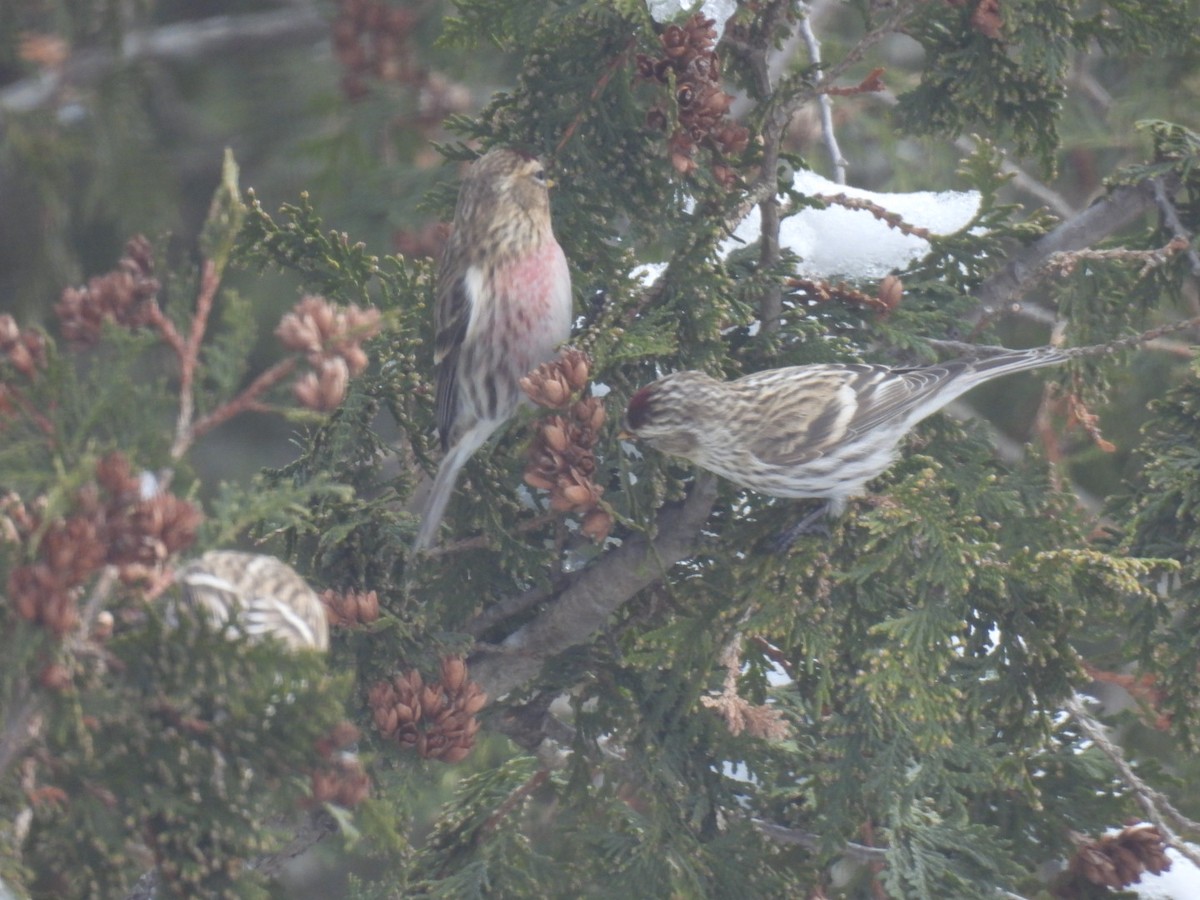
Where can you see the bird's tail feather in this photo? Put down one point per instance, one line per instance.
(440, 493)
(1018, 360)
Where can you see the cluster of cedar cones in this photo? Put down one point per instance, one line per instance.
(110, 523)
(561, 457)
(126, 296)
(689, 64)
(350, 609)
(371, 40)
(25, 350)
(330, 338)
(1114, 861)
(437, 720)
(340, 779)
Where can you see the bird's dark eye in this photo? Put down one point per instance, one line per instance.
(539, 175)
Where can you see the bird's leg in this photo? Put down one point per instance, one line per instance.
(816, 522)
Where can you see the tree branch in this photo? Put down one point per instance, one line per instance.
(170, 43)
(1157, 807)
(824, 104)
(1098, 221)
(784, 835)
(584, 607)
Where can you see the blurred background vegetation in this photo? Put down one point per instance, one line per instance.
(115, 116)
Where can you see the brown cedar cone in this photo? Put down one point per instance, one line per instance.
(344, 734)
(552, 384)
(340, 779)
(437, 720)
(561, 459)
(351, 608)
(342, 782)
(1115, 860)
(372, 38)
(39, 597)
(323, 330)
(125, 296)
(26, 351)
(331, 339)
(687, 54)
(113, 526)
(324, 389)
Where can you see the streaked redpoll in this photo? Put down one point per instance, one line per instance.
(503, 306)
(263, 596)
(819, 431)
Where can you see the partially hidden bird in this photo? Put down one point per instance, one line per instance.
(261, 595)
(815, 431)
(503, 307)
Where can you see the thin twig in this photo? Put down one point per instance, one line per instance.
(483, 541)
(824, 103)
(247, 400)
(809, 841)
(583, 608)
(1157, 807)
(1056, 202)
(791, 95)
(1125, 343)
(512, 800)
(601, 83)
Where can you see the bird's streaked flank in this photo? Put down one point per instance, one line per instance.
(822, 431)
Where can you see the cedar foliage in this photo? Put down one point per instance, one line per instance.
(929, 642)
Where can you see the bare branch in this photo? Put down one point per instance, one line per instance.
(1098, 221)
(791, 95)
(825, 104)
(784, 835)
(584, 607)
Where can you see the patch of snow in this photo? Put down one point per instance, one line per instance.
(718, 10)
(851, 243)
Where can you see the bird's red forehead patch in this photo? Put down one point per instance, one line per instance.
(638, 409)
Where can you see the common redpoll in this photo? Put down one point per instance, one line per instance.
(263, 596)
(808, 431)
(503, 306)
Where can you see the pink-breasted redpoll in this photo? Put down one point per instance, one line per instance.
(817, 431)
(503, 307)
(263, 596)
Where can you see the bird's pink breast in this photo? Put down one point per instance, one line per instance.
(534, 312)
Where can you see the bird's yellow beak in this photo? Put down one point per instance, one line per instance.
(626, 435)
